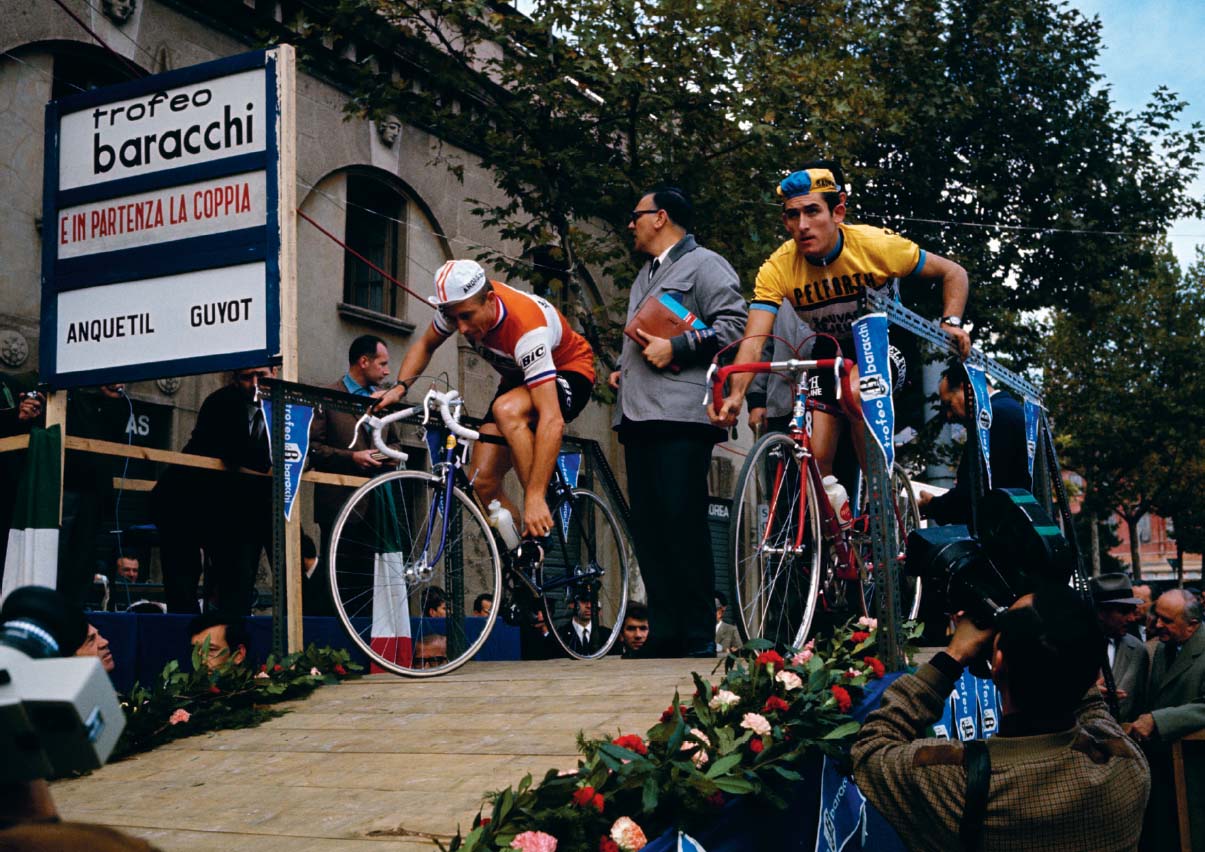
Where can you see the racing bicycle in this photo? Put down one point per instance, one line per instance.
(412, 550)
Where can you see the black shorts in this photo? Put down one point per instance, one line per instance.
(572, 392)
(822, 384)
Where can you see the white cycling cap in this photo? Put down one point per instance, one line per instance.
(456, 281)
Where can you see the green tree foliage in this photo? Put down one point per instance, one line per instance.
(1125, 386)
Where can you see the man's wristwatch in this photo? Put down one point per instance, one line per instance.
(954, 321)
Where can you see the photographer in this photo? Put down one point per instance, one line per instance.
(1059, 775)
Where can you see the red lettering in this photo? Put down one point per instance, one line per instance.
(95, 222)
(245, 199)
(63, 232)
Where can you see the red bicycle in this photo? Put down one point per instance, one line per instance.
(791, 558)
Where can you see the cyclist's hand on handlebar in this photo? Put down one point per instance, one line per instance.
(658, 351)
(365, 459)
(729, 413)
(961, 339)
(393, 396)
(537, 520)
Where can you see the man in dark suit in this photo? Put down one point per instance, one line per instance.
(1175, 708)
(579, 634)
(1010, 460)
(331, 434)
(1117, 608)
(225, 514)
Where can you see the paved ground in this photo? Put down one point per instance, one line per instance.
(378, 754)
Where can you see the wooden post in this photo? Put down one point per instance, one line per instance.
(56, 414)
(286, 136)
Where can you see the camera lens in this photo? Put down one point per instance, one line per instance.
(40, 623)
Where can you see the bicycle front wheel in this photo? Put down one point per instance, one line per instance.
(774, 540)
(907, 519)
(391, 565)
(585, 575)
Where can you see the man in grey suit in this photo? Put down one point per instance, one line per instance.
(1117, 607)
(727, 639)
(666, 436)
(1175, 708)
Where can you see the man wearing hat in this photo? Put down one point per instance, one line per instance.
(1116, 608)
(821, 272)
(547, 373)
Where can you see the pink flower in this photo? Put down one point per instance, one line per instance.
(868, 622)
(700, 757)
(724, 699)
(534, 841)
(628, 835)
(789, 680)
(802, 657)
(179, 716)
(756, 723)
(844, 702)
(314, 672)
(262, 674)
(852, 673)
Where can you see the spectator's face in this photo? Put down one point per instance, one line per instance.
(1171, 625)
(127, 569)
(484, 608)
(1115, 618)
(97, 646)
(585, 611)
(635, 633)
(431, 652)
(219, 649)
(376, 368)
(719, 614)
(953, 402)
(248, 380)
(811, 224)
(643, 224)
(440, 611)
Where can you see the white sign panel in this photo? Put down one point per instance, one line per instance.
(164, 215)
(166, 129)
(188, 315)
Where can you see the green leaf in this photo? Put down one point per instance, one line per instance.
(848, 729)
(730, 784)
(649, 793)
(723, 764)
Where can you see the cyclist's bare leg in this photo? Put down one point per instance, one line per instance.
(490, 464)
(515, 414)
(826, 432)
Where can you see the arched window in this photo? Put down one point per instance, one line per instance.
(377, 229)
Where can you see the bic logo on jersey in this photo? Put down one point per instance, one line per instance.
(532, 356)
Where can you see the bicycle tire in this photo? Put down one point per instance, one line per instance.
(776, 560)
(908, 518)
(378, 581)
(586, 559)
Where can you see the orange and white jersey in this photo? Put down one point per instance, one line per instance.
(530, 340)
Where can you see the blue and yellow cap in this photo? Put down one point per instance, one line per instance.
(807, 181)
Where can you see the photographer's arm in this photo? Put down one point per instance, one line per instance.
(26, 801)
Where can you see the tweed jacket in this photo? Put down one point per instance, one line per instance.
(726, 638)
(1131, 670)
(331, 432)
(707, 286)
(1069, 791)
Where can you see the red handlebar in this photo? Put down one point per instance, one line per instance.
(719, 375)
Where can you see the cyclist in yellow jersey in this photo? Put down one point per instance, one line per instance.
(820, 272)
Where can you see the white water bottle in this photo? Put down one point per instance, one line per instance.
(839, 500)
(501, 520)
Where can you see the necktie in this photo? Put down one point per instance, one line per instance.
(655, 267)
(586, 638)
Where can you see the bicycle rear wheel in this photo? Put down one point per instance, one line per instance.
(907, 516)
(387, 564)
(585, 575)
(774, 540)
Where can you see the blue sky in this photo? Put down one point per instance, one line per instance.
(1148, 43)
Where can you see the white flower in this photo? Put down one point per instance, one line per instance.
(314, 672)
(628, 835)
(756, 723)
(724, 699)
(789, 680)
(699, 759)
(868, 622)
(261, 674)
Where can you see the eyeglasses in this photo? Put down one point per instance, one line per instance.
(636, 214)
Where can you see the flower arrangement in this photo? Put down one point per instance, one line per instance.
(181, 704)
(747, 735)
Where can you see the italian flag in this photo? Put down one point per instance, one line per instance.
(32, 554)
(390, 636)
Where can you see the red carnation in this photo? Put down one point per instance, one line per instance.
(756, 745)
(859, 636)
(668, 713)
(215, 689)
(844, 702)
(774, 703)
(632, 742)
(772, 658)
(277, 668)
(582, 796)
(716, 799)
(606, 844)
(876, 665)
(598, 802)
(486, 820)
(339, 670)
